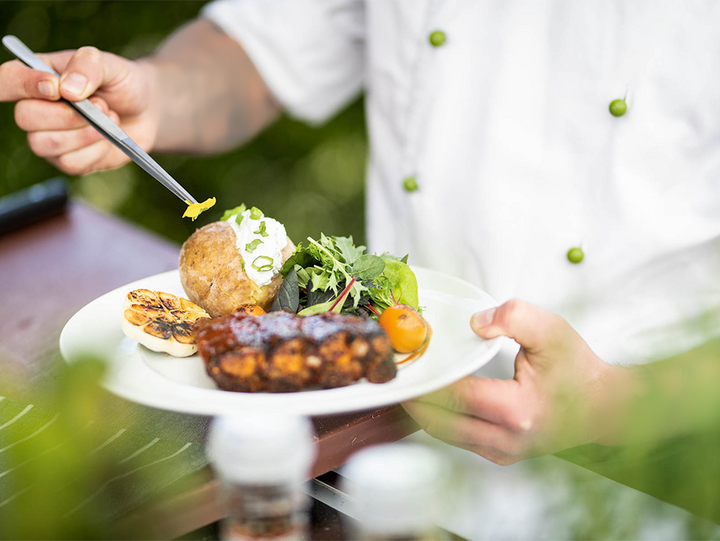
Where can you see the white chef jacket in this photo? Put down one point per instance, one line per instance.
(505, 126)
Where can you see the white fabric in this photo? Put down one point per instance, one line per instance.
(507, 130)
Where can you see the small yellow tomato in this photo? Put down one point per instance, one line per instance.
(405, 327)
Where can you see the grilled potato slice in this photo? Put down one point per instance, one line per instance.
(161, 321)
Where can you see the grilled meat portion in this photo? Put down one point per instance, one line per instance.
(284, 352)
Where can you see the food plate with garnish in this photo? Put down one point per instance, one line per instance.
(252, 321)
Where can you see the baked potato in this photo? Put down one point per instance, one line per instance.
(212, 275)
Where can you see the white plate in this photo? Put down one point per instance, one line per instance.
(170, 383)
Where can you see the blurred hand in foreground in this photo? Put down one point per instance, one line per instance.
(562, 394)
(120, 88)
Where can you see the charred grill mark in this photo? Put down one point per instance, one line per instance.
(144, 296)
(158, 329)
(150, 311)
(183, 333)
(327, 350)
(136, 317)
(170, 302)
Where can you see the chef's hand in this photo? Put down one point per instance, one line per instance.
(562, 395)
(120, 88)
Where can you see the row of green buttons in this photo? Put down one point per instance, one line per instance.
(617, 109)
(436, 39)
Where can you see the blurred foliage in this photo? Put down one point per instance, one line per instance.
(311, 179)
(77, 459)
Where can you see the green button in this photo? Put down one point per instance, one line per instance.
(618, 107)
(575, 255)
(437, 38)
(410, 184)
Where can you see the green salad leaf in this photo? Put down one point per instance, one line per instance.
(331, 267)
(402, 281)
(349, 252)
(368, 267)
(288, 296)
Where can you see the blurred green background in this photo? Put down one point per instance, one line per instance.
(311, 179)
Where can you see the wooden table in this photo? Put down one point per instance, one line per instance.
(52, 269)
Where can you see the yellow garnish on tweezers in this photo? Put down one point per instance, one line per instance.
(195, 209)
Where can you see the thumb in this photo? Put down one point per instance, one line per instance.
(87, 70)
(525, 323)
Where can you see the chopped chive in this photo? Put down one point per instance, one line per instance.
(261, 231)
(250, 246)
(263, 268)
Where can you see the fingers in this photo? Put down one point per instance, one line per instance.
(96, 157)
(50, 144)
(40, 115)
(493, 400)
(83, 74)
(87, 70)
(57, 60)
(487, 439)
(18, 82)
(55, 129)
(525, 323)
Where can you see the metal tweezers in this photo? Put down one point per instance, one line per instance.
(98, 120)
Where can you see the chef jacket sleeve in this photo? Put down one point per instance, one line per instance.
(310, 53)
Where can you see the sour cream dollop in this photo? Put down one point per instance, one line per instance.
(260, 242)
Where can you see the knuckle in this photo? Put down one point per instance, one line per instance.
(101, 104)
(518, 420)
(512, 311)
(88, 53)
(22, 116)
(68, 164)
(453, 398)
(29, 85)
(34, 140)
(44, 143)
(430, 426)
(513, 421)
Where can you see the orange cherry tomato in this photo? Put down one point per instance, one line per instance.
(405, 327)
(250, 309)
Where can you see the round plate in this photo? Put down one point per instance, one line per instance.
(162, 381)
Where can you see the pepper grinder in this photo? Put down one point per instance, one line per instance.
(262, 461)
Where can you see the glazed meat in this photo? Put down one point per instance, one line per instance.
(284, 352)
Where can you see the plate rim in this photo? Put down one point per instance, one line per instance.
(192, 404)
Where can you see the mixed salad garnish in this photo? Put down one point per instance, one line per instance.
(332, 274)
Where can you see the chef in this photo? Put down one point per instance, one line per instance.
(563, 153)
